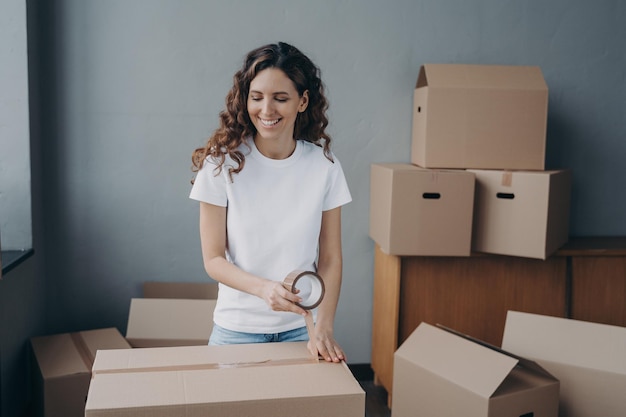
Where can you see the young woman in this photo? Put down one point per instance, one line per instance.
(270, 193)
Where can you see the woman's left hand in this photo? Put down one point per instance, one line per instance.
(326, 345)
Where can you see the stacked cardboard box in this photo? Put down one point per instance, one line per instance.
(418, 211)
(487, 121)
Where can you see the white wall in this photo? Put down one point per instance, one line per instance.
(132, 87)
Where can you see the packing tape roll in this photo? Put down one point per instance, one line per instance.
(308, 285)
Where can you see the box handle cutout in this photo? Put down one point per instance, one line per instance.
(431, 196)
(419, 109)
(527, 415)
(507, 196)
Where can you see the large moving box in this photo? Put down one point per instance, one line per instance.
(479, 116)
(521, 213)
(260, 380)
(439, 373)
(588, 358)
(63, 369)
(417, 211)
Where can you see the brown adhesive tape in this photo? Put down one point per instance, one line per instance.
(310, 286)
(507, 179)
(204, 366)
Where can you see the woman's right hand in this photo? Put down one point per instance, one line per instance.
(279, 298)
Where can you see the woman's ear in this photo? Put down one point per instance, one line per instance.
(304, 101)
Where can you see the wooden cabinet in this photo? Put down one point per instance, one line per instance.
(585, 280)
(598, 279)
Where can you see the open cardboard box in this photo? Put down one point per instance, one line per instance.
(418, 211)
(63, 369)
(441, 373)
(588, 358)
(261, 380)
(479, 116)
(163, 320)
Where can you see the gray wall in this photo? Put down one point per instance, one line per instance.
(138, 85)
(128, 89)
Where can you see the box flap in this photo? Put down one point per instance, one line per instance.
(522, 362)
(109, 338)
(578, 343)
(66, 354)
(457, 359)
(180, 290)
(511, 77)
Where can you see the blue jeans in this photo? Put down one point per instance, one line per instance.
(222, 336)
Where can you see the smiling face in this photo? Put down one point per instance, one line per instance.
(273, 106)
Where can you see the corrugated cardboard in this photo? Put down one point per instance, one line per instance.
(63, 369)
(588, 358)
(438, 373)
(418, 211)
(260, 380)
(521, 213)
(479, 116)
(154, 322)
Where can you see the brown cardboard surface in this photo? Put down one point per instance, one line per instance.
(438, 373)
(154, 322)
(479, 116)
(588, 358)
(275, 379)
(405, 221)
(521, 213)
(63, 363)
(198, 356)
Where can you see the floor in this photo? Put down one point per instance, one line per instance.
(375, 395)
(375, 400)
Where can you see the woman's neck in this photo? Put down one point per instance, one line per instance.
(274, 149)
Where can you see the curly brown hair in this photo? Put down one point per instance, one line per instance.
(235, 123)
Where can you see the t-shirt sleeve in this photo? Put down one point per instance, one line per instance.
(337, 191)
(209, 187)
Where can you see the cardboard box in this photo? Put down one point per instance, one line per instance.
(479, 116)
(172, 314)
(521, 213)
(588, 358)
(63, 369)
(440, 373)
(418, 211)
(261, 380)
(154, 322)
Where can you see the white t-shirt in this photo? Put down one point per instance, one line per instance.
(273, 224)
